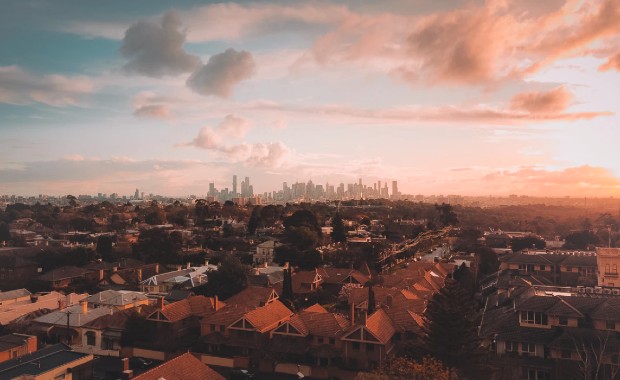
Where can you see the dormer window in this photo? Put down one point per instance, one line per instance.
(534, 318)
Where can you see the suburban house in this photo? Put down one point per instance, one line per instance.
(53, 362)
(16, 345)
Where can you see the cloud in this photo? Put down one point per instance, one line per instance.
(550, 102)
(216, 140)
(222, 72)
(575, 181)
(499, 114)
(612, 63)
(157, 111)
(156, 49)
(21, 87)
(234, 126)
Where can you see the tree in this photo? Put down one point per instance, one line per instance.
(447, 216)
(407, 369)
(230, 278)
(580, 240)
(372, 303)
(339, 234)
(5, 234)
(255, 220)
(105, 249)
(450, 333)
(521, 243)
(157, 245)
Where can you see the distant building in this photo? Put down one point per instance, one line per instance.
(16, 345)
(265, 252)
(608, 261)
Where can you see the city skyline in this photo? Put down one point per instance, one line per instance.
(468, 97)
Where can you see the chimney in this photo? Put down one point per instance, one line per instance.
(179, 267)
(84, 305)
(160, 303)
(353, 313)
(390, 300)
(127, 374)
(156, 268)
(140, 275)
(216, 302)
(363, 317)
(125, 364)
(187, 266)
(206, 262)
(114, 269)
(286, 265)
(100, 274)
(61, 303)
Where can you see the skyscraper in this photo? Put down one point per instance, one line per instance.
(136, 194)
(395, 189)
(234, 184)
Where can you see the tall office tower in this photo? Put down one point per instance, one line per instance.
(379, 187)
(394, 189)
(235, 184)
(250, 191)
(136, 194)
(211, 189)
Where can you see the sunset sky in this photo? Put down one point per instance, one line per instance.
(446, 96)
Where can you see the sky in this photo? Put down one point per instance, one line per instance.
(469, 97)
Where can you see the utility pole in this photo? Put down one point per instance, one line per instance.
(68, 331)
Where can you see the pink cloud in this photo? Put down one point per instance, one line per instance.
(157, 111)
(612, 63)
(20, 87)
(550, 102)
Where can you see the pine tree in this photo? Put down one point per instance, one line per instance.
(371, 300)
(339, 233)
(450, 330)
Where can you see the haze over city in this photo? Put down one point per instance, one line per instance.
(447, 97)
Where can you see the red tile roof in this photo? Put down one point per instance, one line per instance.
(253, 296)
(184, 367)
(269, 316)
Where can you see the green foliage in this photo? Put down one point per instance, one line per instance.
(158, 245)
(580, 240)
(230, 278)
(52, 259)
(155, 216)
(408, 369)
(372, 303)
(450, 330)
(105, 249)
(527, 242)
(447, 216)
(255, 220)
(339, 234)
(5, 234)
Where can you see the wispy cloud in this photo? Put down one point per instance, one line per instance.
(20, 87)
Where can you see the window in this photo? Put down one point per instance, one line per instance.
(534, 317)
(90, 338)
(565, 354)
(222, 327)
(563, 321)
(569, 268)
(212, 327)
(356, 346)
(370, 347)
(614, 269)
(332, 341)
(543, 267)
(607, 268)
(610, 325)
(320, 340)
(528, 348)
(537, 374)
(512, 346)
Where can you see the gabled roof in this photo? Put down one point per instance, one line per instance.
(301, 281)
(253, 296)
(378, 325)
(118, 320)
(332, 275)
(322, 324)
(116, 297)
(76, 317)
(63, 273)
(609, 310)
(13, 294)
(226, 315)
(564, 309)
(264, 318)
(197, 306)
(184, 367)
(10, 341)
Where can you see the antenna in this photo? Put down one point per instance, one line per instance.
(68, 331)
